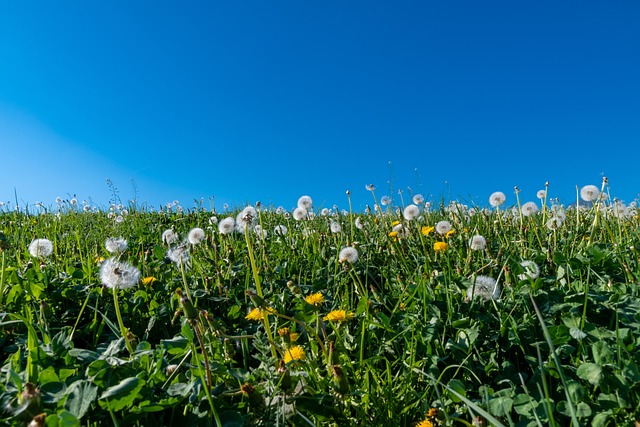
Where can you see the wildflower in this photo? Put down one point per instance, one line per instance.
(418, 199)
(305, 202)
(443, 227)
(483, 287)
(262, 234)
(149, 280)
(325, 211)
(299, 213)
(118, 275)
(394, 223)
(554, 223)
(246, 218)
(589, 193)
(425, 423)
(393, 234)
(370, 187)
(335, 227)
(254, 314)
(450, 233)
(338, 316)
(227, 225)
(541, 194)
(529, 208)
(315, 299)
(294, 354)
(179, 255)
(40, 248)
(280, 230)
(385, 200)
(440, 246)
(115, 245)
(359, 224)
(530, 270)
(496, 199)
(411, 212)
(195, 236)
(427, 229)
(348, 254)
(477, 243)
(213, 220)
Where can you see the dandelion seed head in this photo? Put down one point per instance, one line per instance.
(118, 274)
(484, 288)
(348, 254)
(40, 248)
(196, 235)
(589, 193)
(169, 236)
(477, 243)
(418, 199)
(541, 194)
(411, 212)
(385, 200)
(227, 225)
(497, 199)
(305, 202)
(443, 227)
(280, 230)
(299, 213)
(529, 208)
(335, 227)
(179, 255)
(116, 245)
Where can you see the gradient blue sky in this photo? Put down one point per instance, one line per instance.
(269, 100)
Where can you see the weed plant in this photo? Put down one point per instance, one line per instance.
(449, 316)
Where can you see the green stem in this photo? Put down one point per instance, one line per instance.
(256, 279)
(123, 330)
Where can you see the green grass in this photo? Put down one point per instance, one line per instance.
(560, 348)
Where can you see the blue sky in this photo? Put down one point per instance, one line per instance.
(252, 101)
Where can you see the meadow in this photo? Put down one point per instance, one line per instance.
(412, 314)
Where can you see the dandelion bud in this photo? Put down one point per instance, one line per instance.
(38, 420)
(187, 306)
(256, 299)
(339, 380)
(254, 396)
(285, 376)
(229, 350)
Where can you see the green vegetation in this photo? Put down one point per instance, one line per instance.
(534, 323)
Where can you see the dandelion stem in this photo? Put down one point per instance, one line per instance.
(123, 331)
(256, 279)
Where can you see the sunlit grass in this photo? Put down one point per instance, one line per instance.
(417, 314)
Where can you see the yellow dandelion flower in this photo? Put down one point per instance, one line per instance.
(294, 353)
(315, 299)
(393, 234)
(256, 314)
(294, 336)
(440, 246)
(432, 413)
(149, 280)
(427, 229)
(394, 223)
(425, 423)
(338, 316)
(450, 233)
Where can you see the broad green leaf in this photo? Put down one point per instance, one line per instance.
(63, 418)
(459, 388)
(590, 372)
(80, 396)
(500, 406)
(122, 394)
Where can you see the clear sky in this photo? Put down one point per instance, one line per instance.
(267, 101)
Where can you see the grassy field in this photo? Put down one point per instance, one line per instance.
(525, 315)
